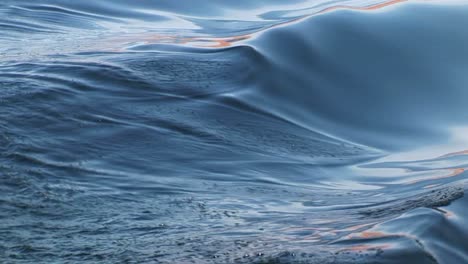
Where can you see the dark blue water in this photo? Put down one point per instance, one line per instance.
(233, 131)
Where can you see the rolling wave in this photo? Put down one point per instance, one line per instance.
(237, 132)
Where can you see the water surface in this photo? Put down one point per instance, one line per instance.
(233, 132)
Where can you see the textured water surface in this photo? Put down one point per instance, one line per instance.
(233, 131)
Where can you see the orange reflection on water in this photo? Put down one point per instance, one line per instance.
(453, 172)
(226, 42)
(452, 154)
(372, 234)
(368, 247)
(431, 186)
(447, 213)
(222, 42)
(450, 214)
(369, 235)
(366, 8)
(181, 40)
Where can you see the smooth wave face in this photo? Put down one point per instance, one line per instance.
(233, 131)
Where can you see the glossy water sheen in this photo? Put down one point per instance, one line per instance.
(233, 131)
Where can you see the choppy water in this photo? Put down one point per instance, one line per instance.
(233, 131)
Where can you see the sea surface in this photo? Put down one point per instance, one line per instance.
(222, 131)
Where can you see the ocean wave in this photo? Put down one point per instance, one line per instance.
(233, 132)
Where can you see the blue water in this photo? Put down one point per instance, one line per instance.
(233, 131)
